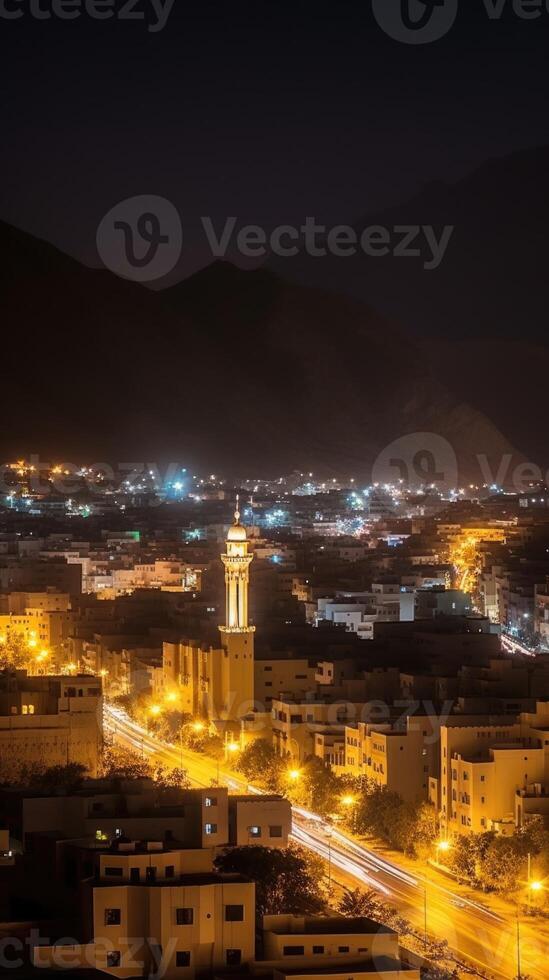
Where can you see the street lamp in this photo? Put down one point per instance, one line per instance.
(442, 847)
(349, 802)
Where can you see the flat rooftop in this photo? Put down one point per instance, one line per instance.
(331, 926)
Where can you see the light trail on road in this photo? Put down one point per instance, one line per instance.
(474, 932)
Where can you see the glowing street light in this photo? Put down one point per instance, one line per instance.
(294, 775)
(233, 747)
(155, 710)
(198, 726)
(443, 845)
(348, 801)
(172, 697)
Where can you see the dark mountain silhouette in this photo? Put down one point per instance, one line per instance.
(488, 297)
(238, 370)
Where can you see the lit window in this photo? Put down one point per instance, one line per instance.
(210, 828)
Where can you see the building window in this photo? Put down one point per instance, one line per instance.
(293, 950)
(170, 871)
(150, 874)
(210, 801)
(343, 949)
(112, 917)
(318, 949)
(234, 913)
(183, 958)
(275, 831)
(114, 957)
(210, 828)
(234, 957)
(184, 917)
(254, 831)
(113, 872)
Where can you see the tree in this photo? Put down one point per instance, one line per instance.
(14, 652)
(53, 780)
(410, 827)
(367, 903)
(425, 831)
(170, 778)
(502, 863)
(118, 763)
(286, 880)
(357, 903)
(261, 764)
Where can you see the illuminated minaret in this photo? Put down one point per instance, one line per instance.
(237, 565)
(235, 693)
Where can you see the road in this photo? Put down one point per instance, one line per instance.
(474, 932)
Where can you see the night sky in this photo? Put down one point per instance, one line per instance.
(272, 112)
(268, 111)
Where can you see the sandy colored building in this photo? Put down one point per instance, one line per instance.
(49, 721)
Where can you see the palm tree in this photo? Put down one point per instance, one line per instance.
(356, 903)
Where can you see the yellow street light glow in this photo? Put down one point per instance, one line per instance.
(443, 845)
(3, 638)
(233, 747)
(294, 775)
(198, 726)
(155, 710)
(536, 886)
(348, 800)
(103, 672)
(32, 643)
(171, 697)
